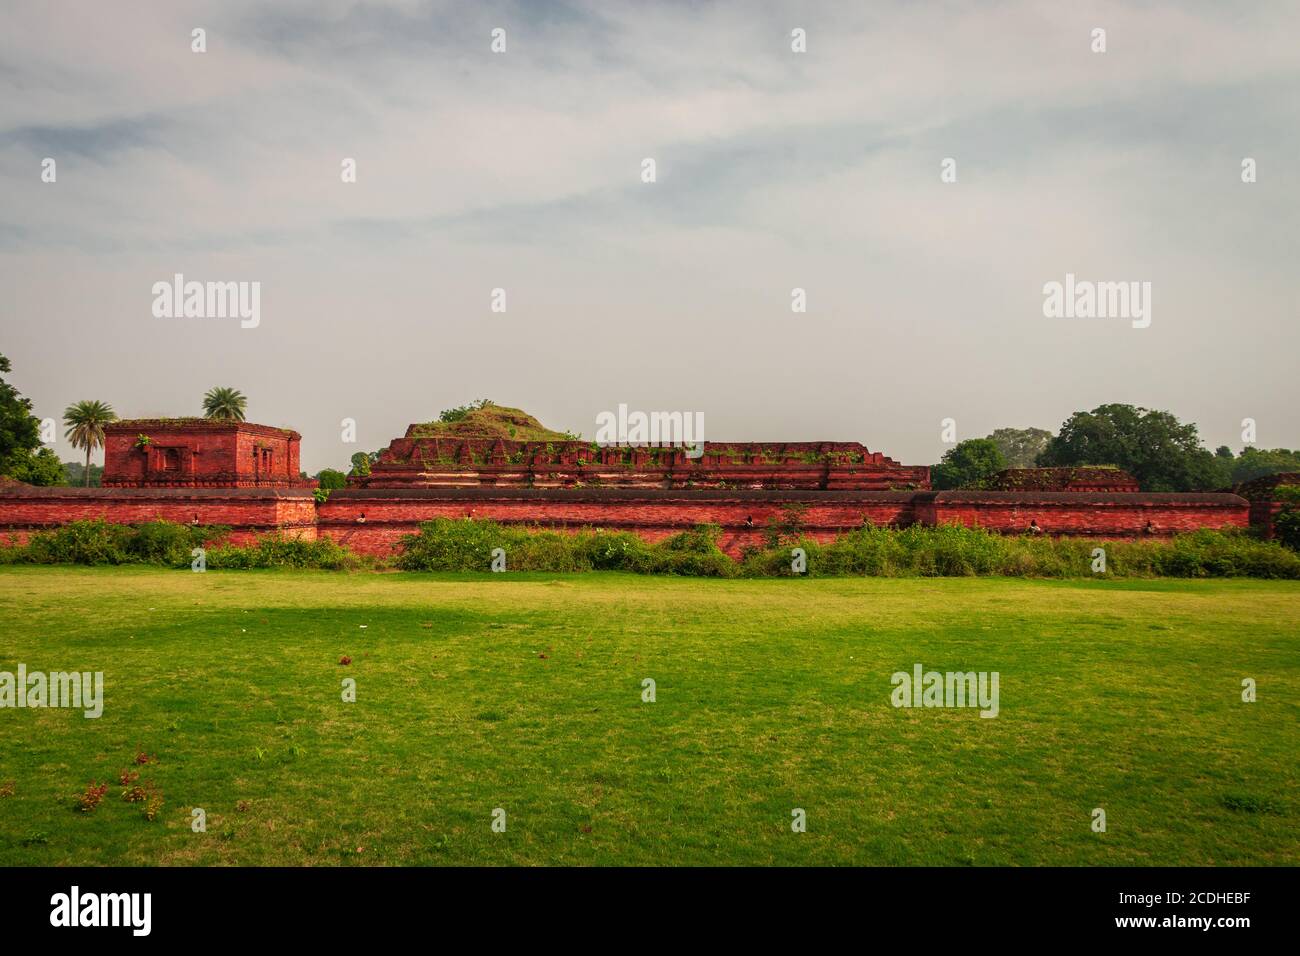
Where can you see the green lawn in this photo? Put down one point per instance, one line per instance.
(524, 692)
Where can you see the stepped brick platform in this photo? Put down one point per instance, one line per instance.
(248, 512)
(200, 453)
(417, 461)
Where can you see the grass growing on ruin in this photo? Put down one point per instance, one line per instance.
(524, 692)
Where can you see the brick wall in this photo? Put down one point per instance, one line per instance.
(247, 512)
(1082, 513)
(651, 513)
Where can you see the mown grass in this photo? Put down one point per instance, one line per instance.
(524, 692)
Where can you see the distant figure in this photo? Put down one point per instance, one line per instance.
(1033, 526)
(195, 521)
(469, 515)
(749, 521)
(1150, 528)
(361, 518)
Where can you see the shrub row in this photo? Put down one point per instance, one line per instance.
(171, 545)
(954, 551)
(462, 545)
(947, 551)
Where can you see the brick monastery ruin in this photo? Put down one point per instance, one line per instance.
(246, 477)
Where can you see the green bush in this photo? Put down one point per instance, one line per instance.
(102, 542)
(1287, 528)
(465, 545)
(694, 553)
(445, 544)
(955, 551)
(166, 542)
(81, 542)
(278, 551)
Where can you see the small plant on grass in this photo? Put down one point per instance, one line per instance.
(92, 797)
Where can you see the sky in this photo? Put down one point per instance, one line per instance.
(522, 170)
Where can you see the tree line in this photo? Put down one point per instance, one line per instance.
(1161, 452)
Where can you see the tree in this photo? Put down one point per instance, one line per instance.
(75, 474)
(967, 464)
(330, 478)
(86, 421)
(224, 404)
(1021, 446)
(1154, 447)
(1257, 462)
(461, 412)
(42, 468)
(20, 430)
(362, 461)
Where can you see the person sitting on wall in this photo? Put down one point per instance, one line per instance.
(361, 518)
(195, 522)
(749, 521)
(1033, 526)
(1150, 527)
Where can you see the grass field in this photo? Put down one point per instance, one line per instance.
(524, 692)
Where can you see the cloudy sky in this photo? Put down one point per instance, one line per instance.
(775, 170)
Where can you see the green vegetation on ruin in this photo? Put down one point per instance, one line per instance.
(485, 419)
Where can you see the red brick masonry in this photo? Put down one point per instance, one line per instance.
(247, 512)
(743, 515)
(199, 453)
(421, 462)
(650, 512)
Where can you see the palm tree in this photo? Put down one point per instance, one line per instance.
(86, 421)
(224, 404)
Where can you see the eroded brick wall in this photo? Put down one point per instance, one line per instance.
(744, 516)
(246, 512)
(1085, 514)
(653, 513)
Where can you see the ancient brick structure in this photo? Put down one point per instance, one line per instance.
(373, 521)
(1090, 514)
(246, 511)
(246, 477)
(443, 462)
(199, 453)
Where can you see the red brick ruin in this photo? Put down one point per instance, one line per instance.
(247, 477)
(199, 453)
